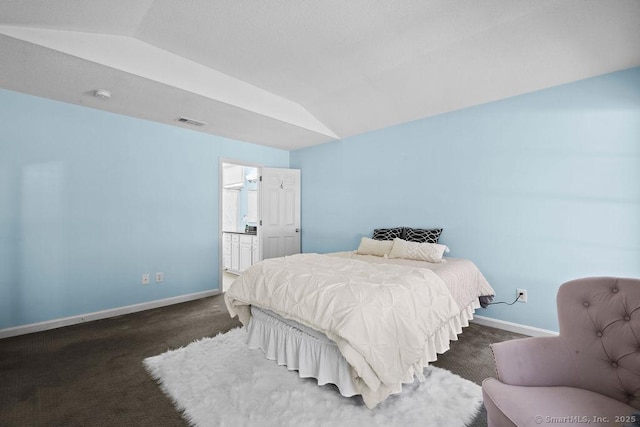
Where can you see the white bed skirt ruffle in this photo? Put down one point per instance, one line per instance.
(314, 355)
(439, 342)
(299, 348)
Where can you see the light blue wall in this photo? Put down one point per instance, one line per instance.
(535, 189)
(91, 200)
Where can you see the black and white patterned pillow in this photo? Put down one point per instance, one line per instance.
(388, 233)
(422, 235)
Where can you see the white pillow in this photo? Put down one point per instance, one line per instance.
(431, 252)
(374, 247)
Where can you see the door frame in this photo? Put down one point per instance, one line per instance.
(228, 160)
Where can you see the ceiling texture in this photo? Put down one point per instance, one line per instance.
(294, 73)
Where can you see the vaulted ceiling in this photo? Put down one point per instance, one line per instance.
(291, 74)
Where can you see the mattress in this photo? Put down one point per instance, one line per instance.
(461, 276)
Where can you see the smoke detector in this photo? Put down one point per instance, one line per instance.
(102, 94)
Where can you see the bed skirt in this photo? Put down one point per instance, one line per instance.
(313, 355)
(300, 349)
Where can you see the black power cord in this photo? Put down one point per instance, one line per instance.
(507, 303)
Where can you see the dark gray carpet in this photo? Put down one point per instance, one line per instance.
(92, 374)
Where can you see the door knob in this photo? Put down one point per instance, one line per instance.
(297, 230)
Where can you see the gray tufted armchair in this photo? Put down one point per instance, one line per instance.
(588, 375)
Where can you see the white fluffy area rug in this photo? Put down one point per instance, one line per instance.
(220, 382)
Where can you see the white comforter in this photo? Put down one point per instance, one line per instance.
(379, 315)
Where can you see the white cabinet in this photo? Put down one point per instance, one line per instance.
(240, 251)
(246, 252)
(235, 252)
(255, 254)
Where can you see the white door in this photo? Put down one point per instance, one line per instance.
(280, 212)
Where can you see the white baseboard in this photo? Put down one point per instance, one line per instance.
(513, 327)
(112, 312)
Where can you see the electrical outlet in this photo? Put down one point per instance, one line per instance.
(145, 279)
(159, 277)
(522, 295)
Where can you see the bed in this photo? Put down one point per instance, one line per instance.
(365, 323)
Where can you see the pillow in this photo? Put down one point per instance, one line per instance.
(374, 247)
(422, 235)
(430, 252)
(388, 233)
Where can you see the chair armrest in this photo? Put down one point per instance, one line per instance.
(535, 362)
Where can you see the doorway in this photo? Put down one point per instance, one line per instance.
(239, 212)
(259, 216)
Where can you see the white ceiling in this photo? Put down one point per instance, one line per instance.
(291, 74)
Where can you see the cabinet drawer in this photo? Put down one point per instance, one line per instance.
(226, 237)
(235, 238)
(246, 240)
